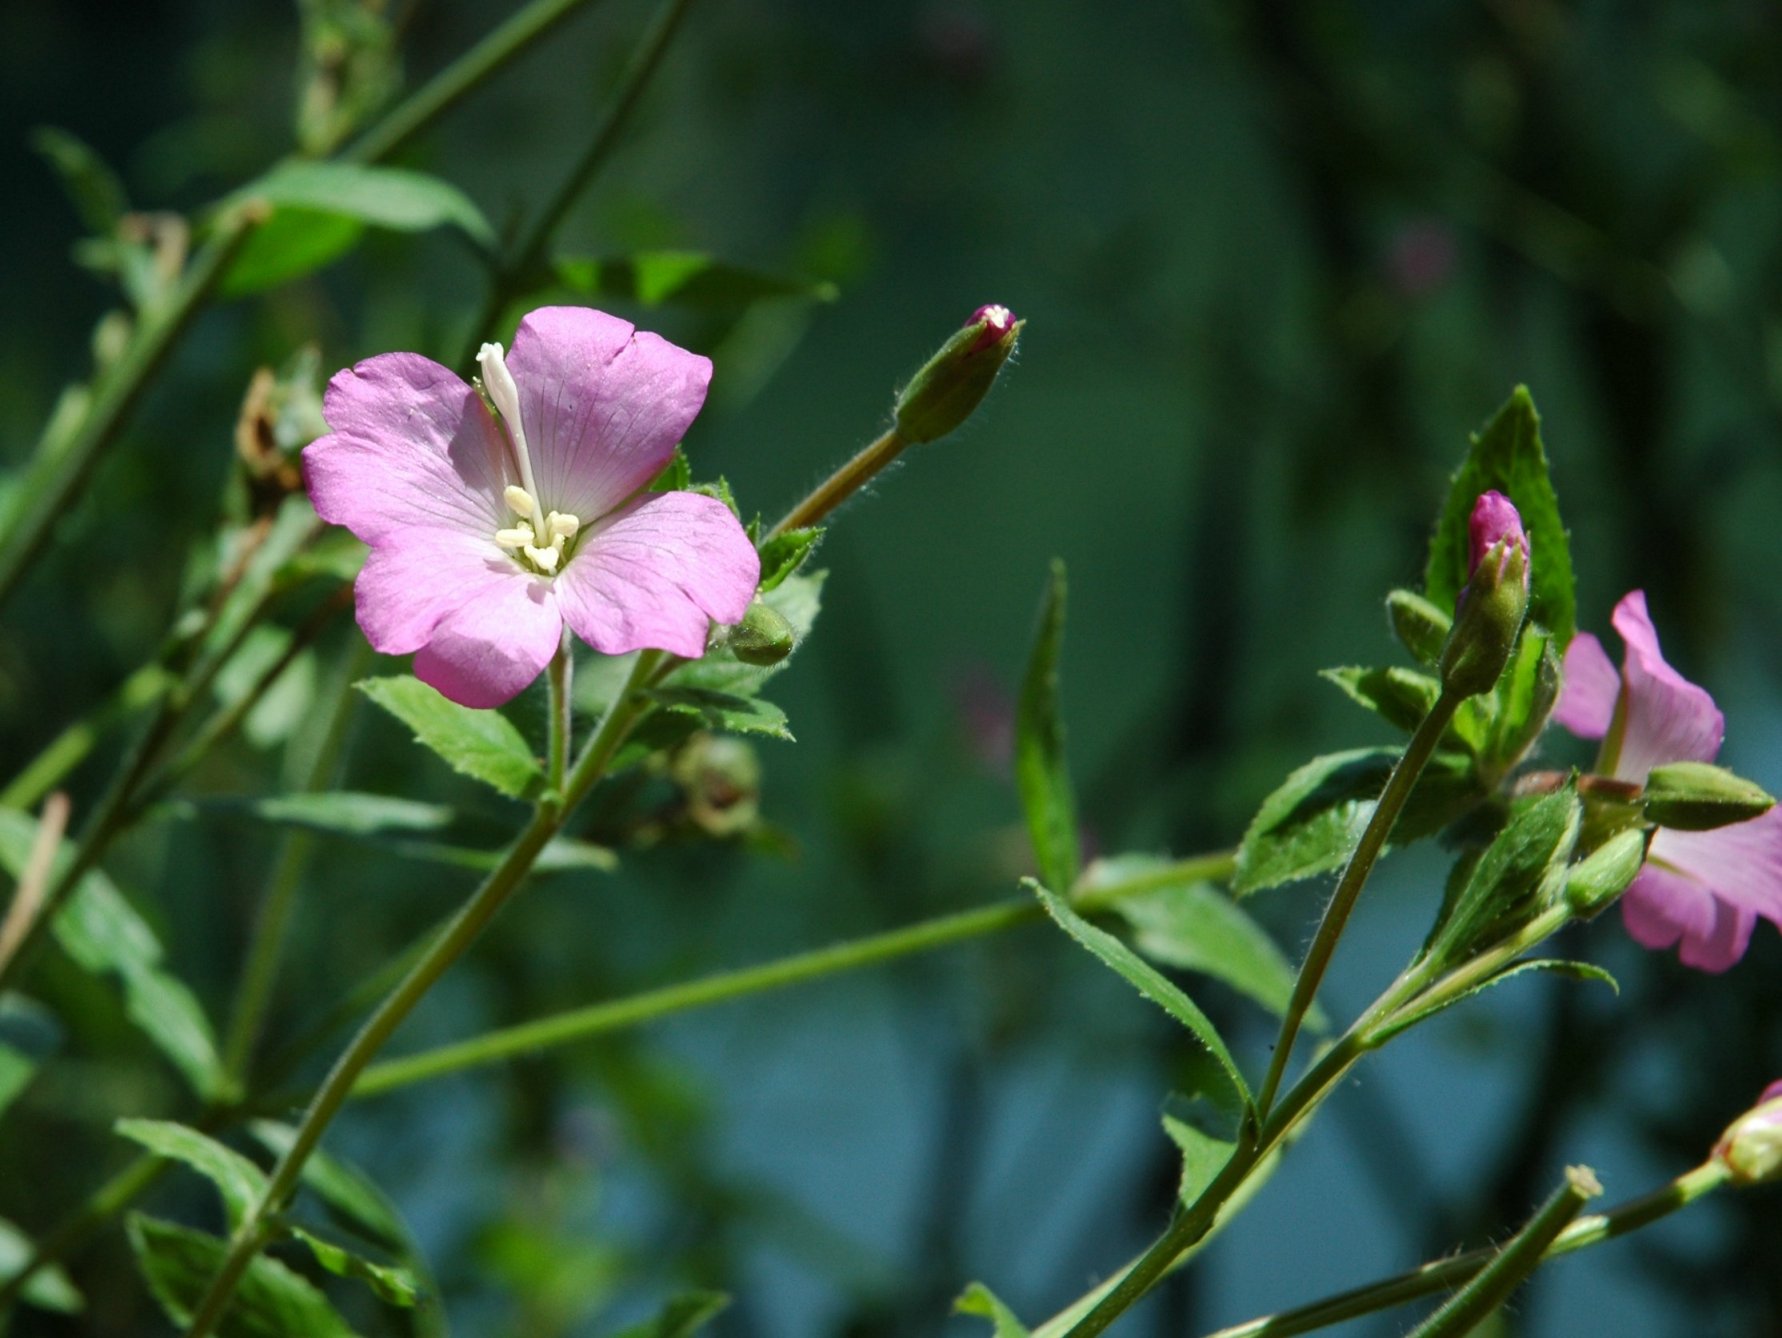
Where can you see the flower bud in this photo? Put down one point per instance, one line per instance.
(1490, 610)
(1698, 797)
(1596, 880)
(1421, 626)
(952, 383)
(720, 779)
(1751, 1147)
(762, 637)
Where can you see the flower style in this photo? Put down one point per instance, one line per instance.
(1702, 888)
(490, 532)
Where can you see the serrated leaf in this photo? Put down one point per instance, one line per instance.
(1042, 777)
(346, 1191)
(238, 1180)
(1313, 819)
(683, 1316)
(392, 1283)
(270, 1301)
(1507, 454)
(724, 711)
(978, 1299)
(676, 475)
(1411, 1016)
(687, 278)
(785, 553)
(1146, 979)
(1400, 697)
(1194, 925)
(1524, 864)
(49, 1288)
(93, 188)
(483, 745)
(104, 935)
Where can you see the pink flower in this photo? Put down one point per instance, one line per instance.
(1703, 888)
(489, 533)
(1495, 521)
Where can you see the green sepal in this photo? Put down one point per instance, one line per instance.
(676, 475)
(1699, 797)
(1420, 626)
(1521, 872)
(1603, 875)
(1400, 697)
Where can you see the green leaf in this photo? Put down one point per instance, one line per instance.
(93, 188)
(292, 243)
(1041, 775)
(689, 278)
(104, 935)
(1522, 870)
(785, 553)
(1312, 821)
(724, 711)
(1146, 979)
(343, 812)
(385, 197)
(798, 599)
(682, 1317)
(270, 1302)
(29, 1034)
(1524, 697)
(392, 1283)
(1205, 1125)
(676, 475)
(238, 1180)
(483, 745)
(1508, 455)
(346, 1191)
(978, 1299)
(49, 1287)
(1416, 1013)
(1400, 697)
(1191, 924)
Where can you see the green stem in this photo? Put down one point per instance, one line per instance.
(459, 79)
(1586, 1231)
(61, 466)
(1354, 877)
(558, 676)
(1509, 1267)
(842, 484)
(71, 747)
(634, 1010)
(463, 929)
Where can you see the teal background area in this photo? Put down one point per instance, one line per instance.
(1276, 262)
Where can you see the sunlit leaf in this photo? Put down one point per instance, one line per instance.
(49, 1288)
(483, 745)
(978, 1299)
(238, 1180)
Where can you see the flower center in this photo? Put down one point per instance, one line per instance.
(540, 539)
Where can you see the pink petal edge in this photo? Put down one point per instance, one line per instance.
(1669, 719)
(488, 649)
(1588, 690)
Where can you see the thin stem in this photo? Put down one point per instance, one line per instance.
(1592, 1229)
(452, 942)
(558, 676)
(70, 748)
(1354, 877)
(61, 466)
(459, 79)
(842, 484)
(634, 1010)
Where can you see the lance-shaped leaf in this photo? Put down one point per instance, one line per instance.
(1521, 871)
(270, 1302)
(682, 1317)
(483, 745)
(238, 1180)
(29, 1034)
(978, 1299)
(1041, 774)
(49, 1288)
(1414, 1013)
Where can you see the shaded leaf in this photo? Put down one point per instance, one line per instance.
(29, 1034)
(724, 710)
(346, 1191)
(1523, 868)
(682, 1317)
(1145, 978)
(1312, 821)
(1525, 696)
(978, 1299)
(1042, 777)
(93, 188)
(483, 745)
(238, 1180)
(343, 812)
(676, 475)
(270, 1302)
(1414, 1014)
(785, 553)
(391, 1282)
(690, 278)
(1507, 454)
(1205, 1125)
(1400, 697)
(49, 1287)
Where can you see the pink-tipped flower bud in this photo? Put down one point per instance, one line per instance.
(1751, 1147)
(1488, 616)
(955, 380)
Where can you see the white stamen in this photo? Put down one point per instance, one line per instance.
(563, 526)
(499, 383)
(519, 500)
(545, 559)
(518, 537)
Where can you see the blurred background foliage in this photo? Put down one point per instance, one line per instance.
(1276, 260)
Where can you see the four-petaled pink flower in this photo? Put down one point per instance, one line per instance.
(490, 532)
(1703, 888)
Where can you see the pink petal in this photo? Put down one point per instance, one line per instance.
(412, 445)
(416, 577)
(603, 405)
(491, 646)
(1741, 864)
(1660, 907)
(655, 572)
(1669, 719)
(1587, 695)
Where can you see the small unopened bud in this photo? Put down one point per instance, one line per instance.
(1751, 1147)
(955, 380)
(1698, 797)
(720, 779)
(762, 637)
(1596, 880)
(1491, 608)
(1420, 625)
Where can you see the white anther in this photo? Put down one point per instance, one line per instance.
(520, 501)
(563, 526)
(545, 559)
(518, 537)
(505, 395)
